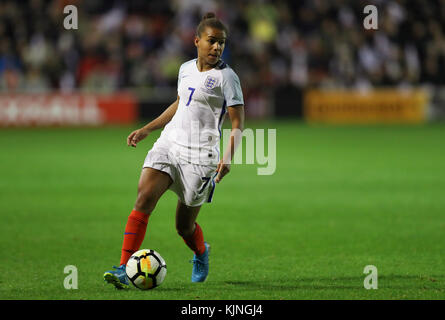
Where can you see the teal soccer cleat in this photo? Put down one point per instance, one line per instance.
(117, 277)
(201, 265)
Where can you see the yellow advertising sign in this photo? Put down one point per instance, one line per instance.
(377, 106)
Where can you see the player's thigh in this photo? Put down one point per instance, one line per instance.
(185, 218)
(152, 184)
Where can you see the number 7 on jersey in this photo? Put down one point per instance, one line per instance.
(191, 94)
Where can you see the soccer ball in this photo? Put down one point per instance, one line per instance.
(146, 269)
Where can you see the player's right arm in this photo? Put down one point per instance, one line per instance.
(157, 123)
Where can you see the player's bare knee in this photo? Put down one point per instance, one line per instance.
(185, 232)
(146, 201)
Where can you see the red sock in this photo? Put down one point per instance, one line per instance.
(134, 234)
(196, 241)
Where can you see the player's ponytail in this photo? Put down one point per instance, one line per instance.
(210, 20)
(209, 15)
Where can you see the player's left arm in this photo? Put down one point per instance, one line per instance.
(236, 114)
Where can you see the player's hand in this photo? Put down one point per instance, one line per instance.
(136, 136)
(222, 169)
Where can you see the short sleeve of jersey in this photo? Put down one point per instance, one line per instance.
(179, 76)
(232, 89)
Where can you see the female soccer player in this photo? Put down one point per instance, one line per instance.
(186, 158)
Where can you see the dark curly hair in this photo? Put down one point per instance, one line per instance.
(210, 20)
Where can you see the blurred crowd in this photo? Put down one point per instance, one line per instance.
(271, 44)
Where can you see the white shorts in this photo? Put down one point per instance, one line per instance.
(193, 183)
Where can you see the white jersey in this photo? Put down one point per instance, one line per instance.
(194, 132)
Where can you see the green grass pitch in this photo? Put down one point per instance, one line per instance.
(342, 197)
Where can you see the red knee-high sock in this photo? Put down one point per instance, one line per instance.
(134, 234)
(196, 241)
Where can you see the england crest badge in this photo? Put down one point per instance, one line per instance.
(210, 82)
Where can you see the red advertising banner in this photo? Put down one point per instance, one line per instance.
(66, 109)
